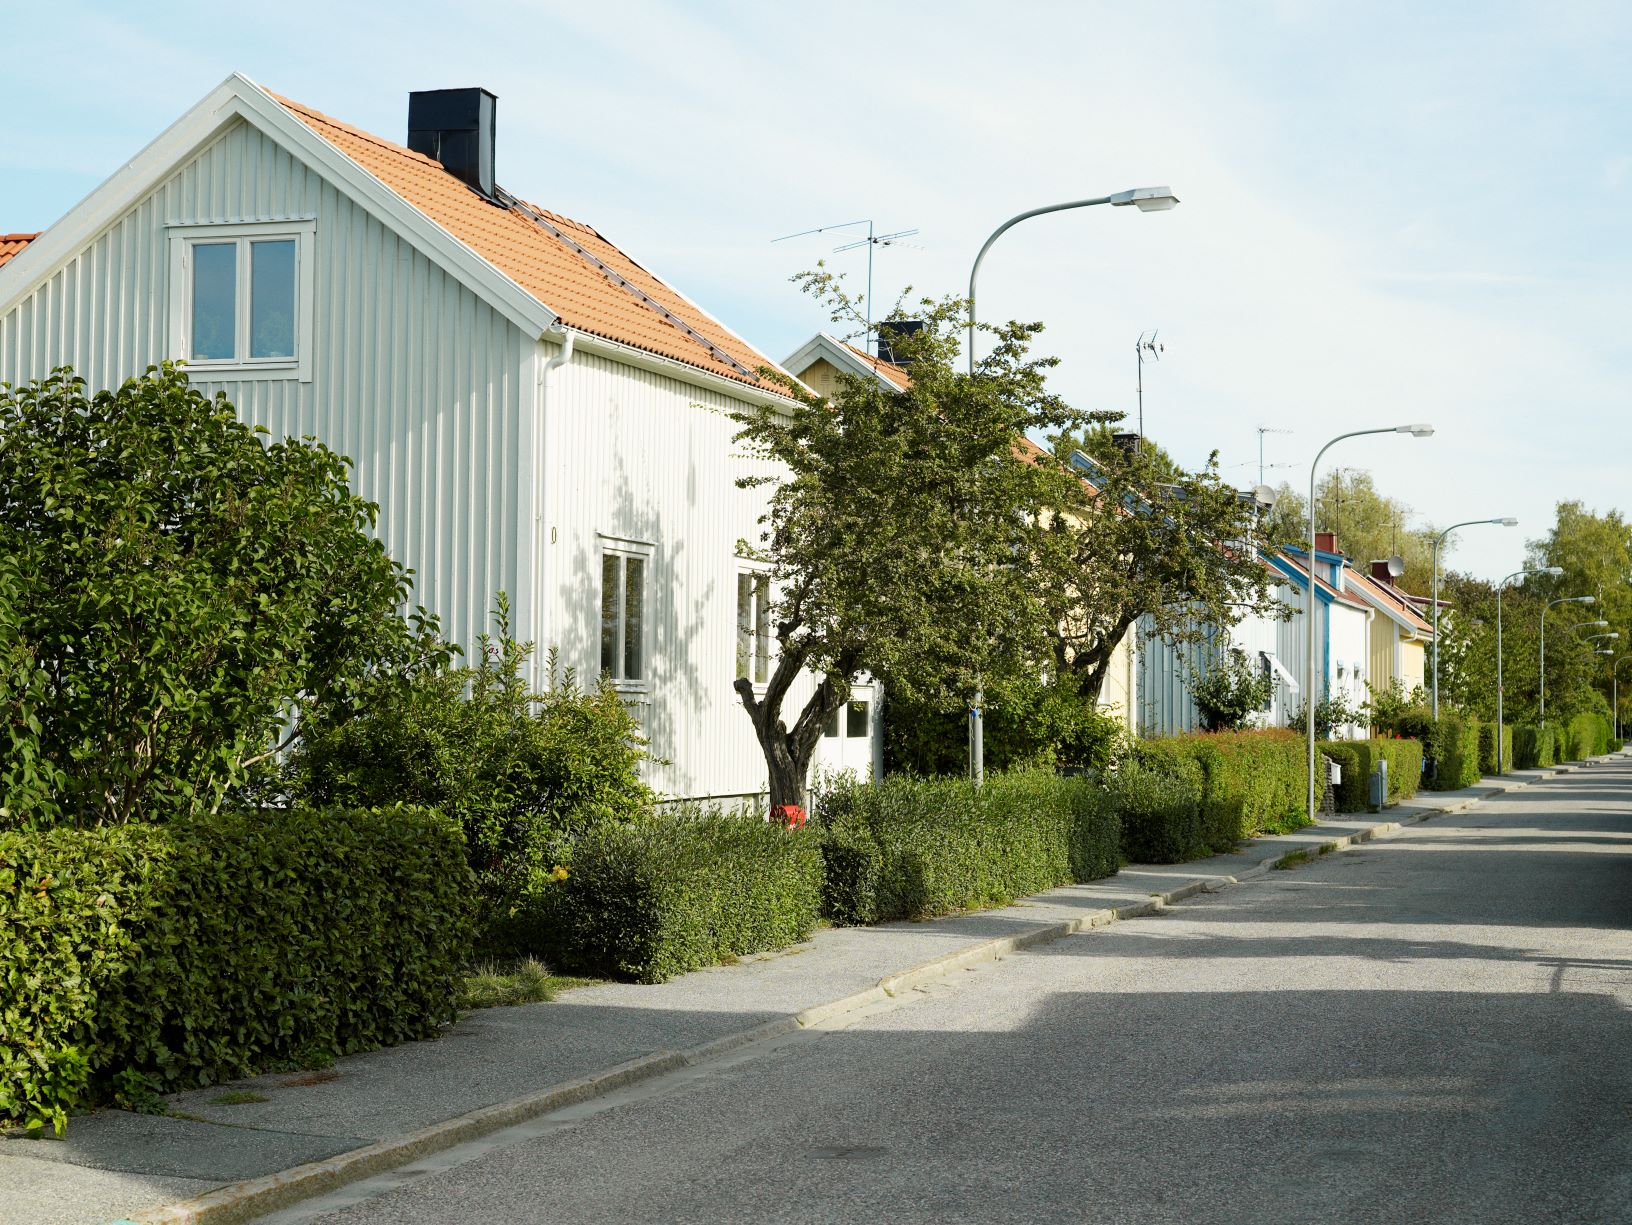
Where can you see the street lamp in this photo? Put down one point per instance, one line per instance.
(1542, 673)
(1146, 200)
(1554, 571)
(1508, 521)
(1416, 431)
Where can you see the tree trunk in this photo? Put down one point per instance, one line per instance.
(787, 753)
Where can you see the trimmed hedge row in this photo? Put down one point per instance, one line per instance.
(911, 848)
(1487, 748)
(1589, 735)
(1359, 759)
(1453, 753)
(1252, 782)
(141, 959)
(1533, 746)
(1161, 810)
(649, 900)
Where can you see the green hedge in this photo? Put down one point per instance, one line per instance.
(139, 959)
(681, 890)
(910, 848)
(1252, 781)
(1359, 759)
(1356, 758)
(1561, 742)
(1589, 735)
(1454, 753)
(1158, 798)
(1533, 747)
(1487, 748)
(1404, 766)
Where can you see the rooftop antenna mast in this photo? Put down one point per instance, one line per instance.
(872, 240)
(1141, 347)
(1262, 430)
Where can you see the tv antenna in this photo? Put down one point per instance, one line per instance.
(1141, 347)
(1262, 430)
(871, 241)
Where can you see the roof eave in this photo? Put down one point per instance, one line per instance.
(236, 98)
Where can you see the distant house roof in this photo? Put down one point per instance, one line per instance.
(587, 282)
(11, 244)
(1293, 564)
(846, 357)
(1391, 600)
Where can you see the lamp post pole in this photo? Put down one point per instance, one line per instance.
(1615, 692)
(1503, 521)
(1541, 686)
(1552, 570)
(1416, 431)
(1146, 200)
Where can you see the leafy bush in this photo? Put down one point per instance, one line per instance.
(1160, 809)
(1487, 748)
(681, 890)
(141, 959)
(1404, 759)
(1589, 735)
(521, 773)
(1031, 725)
(1561, 742)
(1533, 746)
(912, 848)
(173, 585)
(1353, 793)
(1404, 766)
(1229, 694)
(1390, 707)
(1252, 781)
(1332, 711)
(1454, 753)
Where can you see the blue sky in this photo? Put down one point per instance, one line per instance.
(1391, 212)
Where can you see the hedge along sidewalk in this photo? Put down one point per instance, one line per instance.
(503, 1066)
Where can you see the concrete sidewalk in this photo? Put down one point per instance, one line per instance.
(213, 1161)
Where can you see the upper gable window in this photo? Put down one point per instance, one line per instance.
(241, 299)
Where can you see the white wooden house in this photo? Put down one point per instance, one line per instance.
(534, 411)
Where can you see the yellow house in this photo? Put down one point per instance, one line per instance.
(1400, 637)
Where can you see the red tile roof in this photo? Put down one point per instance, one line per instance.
(1395, 599)
(565, 264)
(1296, 562)
(11, 244)
(895, 375)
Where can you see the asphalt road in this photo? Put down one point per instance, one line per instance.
(1433, 1027)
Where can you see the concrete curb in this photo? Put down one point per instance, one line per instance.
(244, 1201)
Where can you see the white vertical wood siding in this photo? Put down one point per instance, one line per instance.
(639, 456)
(415, 379)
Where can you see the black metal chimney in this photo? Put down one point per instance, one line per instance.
(892, 329)
(455, 127)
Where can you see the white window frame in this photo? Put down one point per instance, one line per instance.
(612, 546)
(758, 573)
(183, 238)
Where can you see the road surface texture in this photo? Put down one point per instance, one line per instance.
(1433, 1027)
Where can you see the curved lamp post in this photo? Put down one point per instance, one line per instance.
(1146, 200)
(1554, 571)
(1507, 521)
(1416, 431)
(1542, 672)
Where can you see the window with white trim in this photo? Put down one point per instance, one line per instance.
(754, 626)
(241, 300)
(623, 615)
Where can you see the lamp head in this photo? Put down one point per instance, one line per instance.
(1508, 522)
(1555, 571)
(1147, 199)
(1420, 430)
(1586, 599)
(1596, 624)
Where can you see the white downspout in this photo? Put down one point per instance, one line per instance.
(542, 493)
